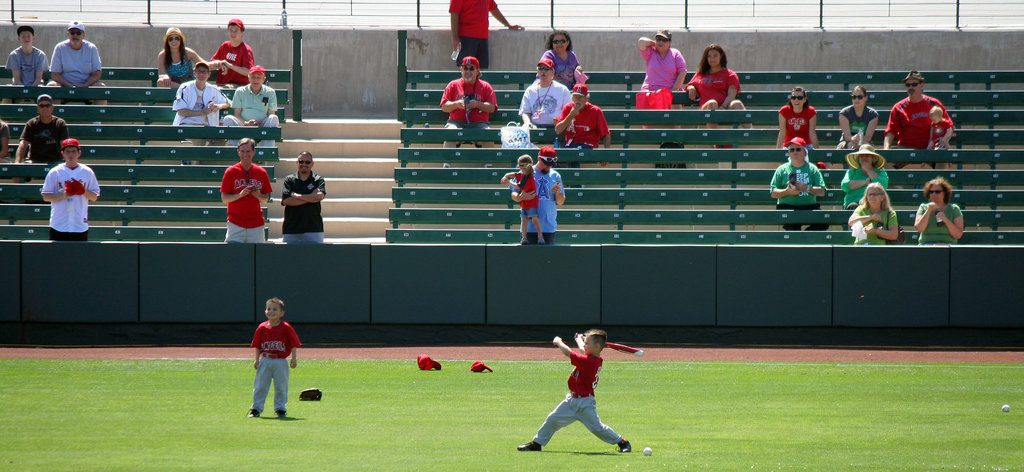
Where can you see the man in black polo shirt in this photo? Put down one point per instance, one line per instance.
(301, 197)
(42, 135)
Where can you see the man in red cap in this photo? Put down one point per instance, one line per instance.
(469, 100)
(550, 193)
(797, 184)
(469, 27)
(234, 57)
(254, 105)
(583, 122)
(70, 187)
(543, 101)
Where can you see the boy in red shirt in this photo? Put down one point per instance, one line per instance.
(274, 341)
(579, 403)
(942, 129)
(525, 183)
(233, 57)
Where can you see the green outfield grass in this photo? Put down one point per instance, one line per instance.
(168, 415)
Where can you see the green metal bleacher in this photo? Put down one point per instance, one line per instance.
(103, 113)
(129, 172)
(144, 133)
(151, 74)
(122, 233)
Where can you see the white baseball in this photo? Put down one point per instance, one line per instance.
(648, 451)
(1006, 408)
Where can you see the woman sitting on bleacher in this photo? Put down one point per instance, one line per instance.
(714, 84)
(876, 216)
(866, 167)
(858, 121)
(567, 66)
(939, 221)
(798, 119)
(175, 61)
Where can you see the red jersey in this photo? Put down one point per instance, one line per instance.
(715, 86)
(583, 378)
(473, 16)
(588, 127)
(240, 56)
(529, 186)
(939, 131)
(480, 90)
(798, 124)
(277, 341)
(246, 211)
(910, 124)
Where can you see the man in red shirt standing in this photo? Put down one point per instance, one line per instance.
(909, 125)
(234, 58)
(583, 123)
(245, 188)
(469, 28)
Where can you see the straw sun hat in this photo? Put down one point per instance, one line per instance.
(853, 159)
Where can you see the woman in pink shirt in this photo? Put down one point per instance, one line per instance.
(666, 67)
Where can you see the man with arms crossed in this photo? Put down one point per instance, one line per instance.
(301, 198)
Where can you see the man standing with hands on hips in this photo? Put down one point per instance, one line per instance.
(550, 194)
(245, 188)
(301, 198)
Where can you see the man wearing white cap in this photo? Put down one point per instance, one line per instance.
(76, 62)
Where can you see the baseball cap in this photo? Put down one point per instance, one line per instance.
(546, 63)
(201, 63)
(78, 25)
(470, 61)
(426, 363)
(69, 143)
(798, 141)
(580, 89)
(664, 34)
(548, 155)
(480, 367)
(257, 70)
(23, 28)
(44, 98)
(236, 21)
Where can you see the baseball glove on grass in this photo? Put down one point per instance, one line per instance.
(310, 394)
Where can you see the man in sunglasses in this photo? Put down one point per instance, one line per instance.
(301, 198)
(468, 101)
(76, 62)
(543, 101)
(42, 135)
(909, 125)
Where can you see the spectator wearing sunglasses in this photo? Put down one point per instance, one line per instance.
(939, 221)
(909, 125)
(567, 65)
(798, 119)
(797, 184)
(301, 198)
(42, 136)
(857, 121)
(666, 68)
(469, 100)
(76, 62)
(543, 101)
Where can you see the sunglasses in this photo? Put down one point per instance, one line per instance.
(663, 40)
(544, 68)
(794, 150)
(305, 162)
(936, 191)
(75, 32)
(912, 84)
(797, 97)
(44, 105)
(560, 41)
(857, 97)
(469, 68)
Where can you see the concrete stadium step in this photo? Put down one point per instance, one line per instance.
(338, 128)
(375, 167)
(388, 148)
(342, 227)
(360, 207)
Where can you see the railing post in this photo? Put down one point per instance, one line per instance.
(403, 72)
(297, 75)
(957, 14)
(149, 12)
(418, 14)
(821, 14)
(686, 14)
(552, 14)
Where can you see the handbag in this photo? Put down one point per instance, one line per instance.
(514, 136)
(901, 237)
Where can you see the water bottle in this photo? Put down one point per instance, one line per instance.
(938, 220)
(860, 137)
(556, 142)
(284, 18)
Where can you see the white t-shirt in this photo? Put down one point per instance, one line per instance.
(70, 215)
(544, 104)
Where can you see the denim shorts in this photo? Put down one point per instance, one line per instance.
(528, 212)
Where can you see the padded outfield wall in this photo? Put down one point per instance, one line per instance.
(476, 285)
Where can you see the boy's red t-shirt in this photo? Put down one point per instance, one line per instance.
(277, 341)
(529, 186)
(583, 378)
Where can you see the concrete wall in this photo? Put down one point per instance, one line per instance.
(351, 72)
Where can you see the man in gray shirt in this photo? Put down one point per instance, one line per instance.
(27, 63)
(76, 62)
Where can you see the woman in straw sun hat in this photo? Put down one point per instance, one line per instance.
(866, 166)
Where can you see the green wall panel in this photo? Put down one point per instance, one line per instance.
(544, 285)
(78, 282)
(211, 283)
(986, 287)
(890, 286)
(10, 281)
(319, 283)
(427, 284)
(774, 286)
(659, 286)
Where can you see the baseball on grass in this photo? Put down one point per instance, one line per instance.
(1006, 408)
(648, 451)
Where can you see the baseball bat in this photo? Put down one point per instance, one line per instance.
(624, 348)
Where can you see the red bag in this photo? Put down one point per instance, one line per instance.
(660, 100)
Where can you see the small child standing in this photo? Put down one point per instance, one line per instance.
(579, 403)
(525, 182)
(942, 130)
(274, 341)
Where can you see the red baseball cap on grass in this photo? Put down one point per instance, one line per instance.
(426, 363)
(480, 367)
